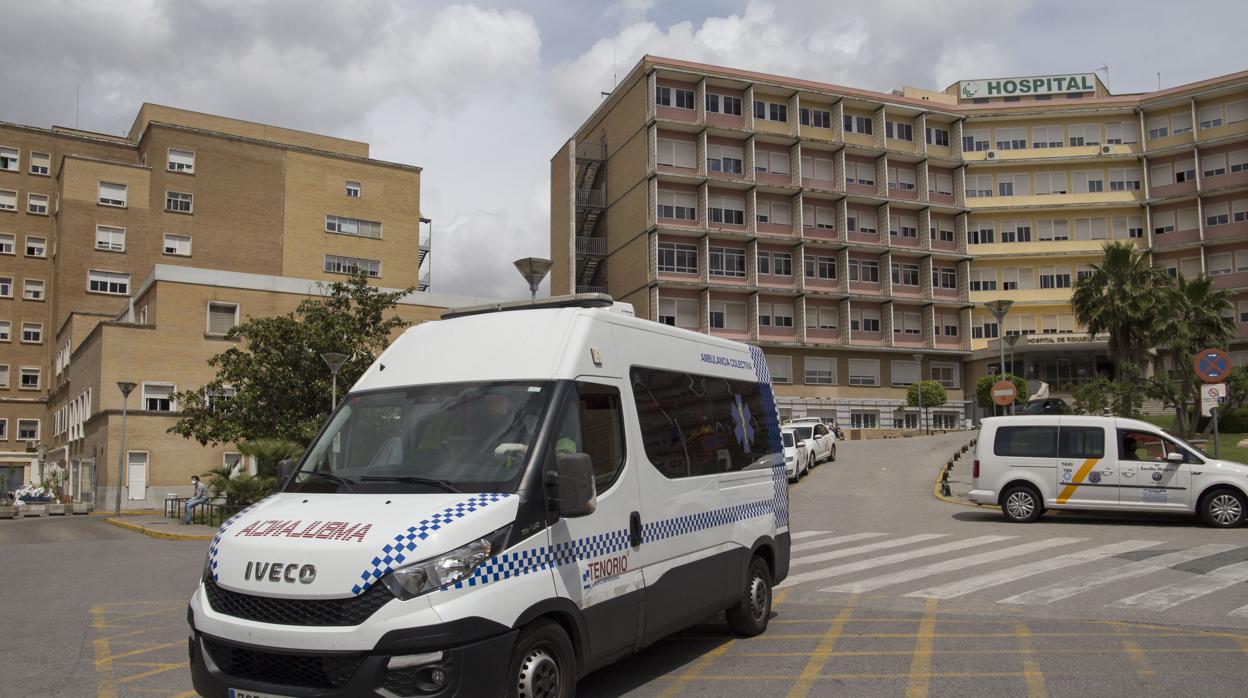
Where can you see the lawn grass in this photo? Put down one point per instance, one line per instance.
(1226, 442)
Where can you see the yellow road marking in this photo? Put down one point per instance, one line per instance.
(1137, 655)
(160, 669)
(779, 598)
(820, 657)
(143, 650)
(907, 653)
(921, 661)
(1069, 490)
(696, 670)
(1031, 666)
(105, 687)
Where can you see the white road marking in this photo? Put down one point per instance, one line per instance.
(807, 534)
(868, 548)
(970, 585)
(1071, 587)
(825, 542)
(1199, 585)
(895, 558)
(909, 575)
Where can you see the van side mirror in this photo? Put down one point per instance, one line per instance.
(570, 488)
(285, 468)
(1175, 457)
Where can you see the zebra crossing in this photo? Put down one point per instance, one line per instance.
(1134, 575)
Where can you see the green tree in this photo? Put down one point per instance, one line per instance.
(274, 383)
(239, 488)
(1091, 397)
(983, 390)
(1122, 397)
(1122, 296)
(1236, 395)
(934, 394)
(269, 452)
(1194, 316)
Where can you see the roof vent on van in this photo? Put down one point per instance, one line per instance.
(579, 300)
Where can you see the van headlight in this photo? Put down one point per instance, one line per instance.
(423, 577)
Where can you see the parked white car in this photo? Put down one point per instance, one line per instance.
(819, 440)
(1026, 464)
(798, 459)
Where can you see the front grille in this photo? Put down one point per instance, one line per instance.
(327, 671)
(265, 609)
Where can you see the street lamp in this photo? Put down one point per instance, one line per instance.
(335, 361)
(999, 308)
(125, 387)
(1012, 339)
(533, 269)
(918, 358)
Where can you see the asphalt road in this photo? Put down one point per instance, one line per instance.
(893, 593)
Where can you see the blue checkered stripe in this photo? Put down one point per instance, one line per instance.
(396, 552)
(692, 523)
(216, 538)
(521, 562)
(775, 446)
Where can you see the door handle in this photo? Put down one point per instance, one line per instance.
(634, 530)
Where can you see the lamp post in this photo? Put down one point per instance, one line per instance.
(999, 308)
(125, 387)
(1011, 340)
(918, 358)
(533, 269)
(335, 361)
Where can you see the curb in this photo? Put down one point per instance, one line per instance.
(153, 533)
(940, 476)
(129, 512)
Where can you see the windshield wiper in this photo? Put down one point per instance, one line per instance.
(333, 478)
(411, 480)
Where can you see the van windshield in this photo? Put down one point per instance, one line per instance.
(453, 437)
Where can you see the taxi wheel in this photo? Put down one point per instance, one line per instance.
(1021, 504)
(543, 664)
(833, 456)
(1223, 508)
(750, 615)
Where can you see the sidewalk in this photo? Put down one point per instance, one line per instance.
(158, 526)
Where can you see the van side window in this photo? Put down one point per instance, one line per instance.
(1082, 442)
(591, 423)
(695, 425)
(1026, 442)
(1149, 447)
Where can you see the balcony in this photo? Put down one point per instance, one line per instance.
(1236, 280)
(591, 198)
(591, 151)
(1224, 232)
(591, 246)
(1175, 238)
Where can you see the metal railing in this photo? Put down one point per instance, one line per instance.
(211, 514)
(591, 197)
(591, 289)
(588, 245)
(591, 151)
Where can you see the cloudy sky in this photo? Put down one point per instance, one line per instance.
(481, 95)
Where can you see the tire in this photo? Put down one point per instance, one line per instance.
(833, 456)
(810, 464)
(543, 663)
(1021, 504)
(1224, 508)
(749, 616)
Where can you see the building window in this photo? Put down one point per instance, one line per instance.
(9, 159)
(1013, 185)
(723, 104)
(948, 277)
(32, 333)
(1185, 171)
(181, 161)
(1048, 183)
(222, 317)
(780, 368)
(6, 331)
(6, 287)
(817, 118)
(860, 173)
(353, 190)
(905, 274)
(937, 136)
(728, 315)
(1158, 128)
(110, 239)
(1124, 180)
(37, 204)
(679, 312)
(352, 226)
(771, 111)
(773, 212)
(29, 378)
(1011, 138)
(335, 264)
(864, 320)
(820, 267)
(862, 221)
(771, 161)
(677, 205)
(1211, 117)
(1214, 165)
(1054, 277)
(8, 243)
(1047, 137)
(36, 246)
(179, 245)
(40, 163)
(950, 325)
(864, 420)
(775, 315)
(857, 124)
(178, 202)
(983, 280)
(820, 371)
(978, 186)
(32, 289)
(27, 430)
(864, 372)
(158, 397)
(111, 282)
(1217, 214)
(727, 261)
(663, 96)
(676, 153)
(899, 130)
(901, 178)
(677, 257)
(111, 194)
(8, 200)
(818, 168)
(724, 158)
(4, 423)
(727, 210)
(1238, 160)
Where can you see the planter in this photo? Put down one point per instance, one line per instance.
(56, 509)
(10, 512)
(35, 510)
(82, 508)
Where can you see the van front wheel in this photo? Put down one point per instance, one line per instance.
(1021, 504)
(749, 616)
(543, 664)
(1223, 508)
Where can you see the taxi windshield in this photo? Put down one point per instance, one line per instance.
(803, 432)
(453, 437)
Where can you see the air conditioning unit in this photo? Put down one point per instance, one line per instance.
(1107, 149)
(30, 446)
(991, 155)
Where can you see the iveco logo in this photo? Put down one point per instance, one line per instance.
(280, 572)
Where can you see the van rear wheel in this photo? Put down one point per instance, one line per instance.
(1021, 504)
(543, 663)
(749, 616)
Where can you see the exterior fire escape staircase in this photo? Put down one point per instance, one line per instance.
(591, 205)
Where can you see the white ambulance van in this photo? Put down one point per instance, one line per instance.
(507, 499)
(1027, 464)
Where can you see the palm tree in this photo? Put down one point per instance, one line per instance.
(1121, 297)
(1194, 316)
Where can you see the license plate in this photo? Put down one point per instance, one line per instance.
(241, 693)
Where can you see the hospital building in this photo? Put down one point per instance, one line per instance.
(856, 235)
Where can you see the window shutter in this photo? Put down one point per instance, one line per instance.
(220, 318)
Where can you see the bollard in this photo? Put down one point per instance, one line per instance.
(944, 489)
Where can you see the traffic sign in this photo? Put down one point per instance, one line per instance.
(1212, 365)
(1004, 393)
(1211, 395)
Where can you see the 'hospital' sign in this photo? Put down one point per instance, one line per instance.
(1045, 85)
